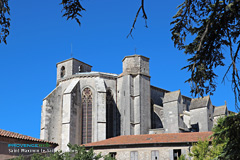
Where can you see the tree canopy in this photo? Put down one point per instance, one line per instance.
(209, 31)
(227, 134)
(225, 142)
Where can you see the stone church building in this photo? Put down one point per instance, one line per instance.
(88, 106)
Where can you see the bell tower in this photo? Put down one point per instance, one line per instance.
(69, 67)
(134, 95)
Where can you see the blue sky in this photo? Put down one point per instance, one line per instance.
(40, 37)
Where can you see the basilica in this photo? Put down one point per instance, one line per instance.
(89, 106)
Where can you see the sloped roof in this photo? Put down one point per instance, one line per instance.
(231, 112)
(75, 60)
(199, 102)
(220, 110)
(171, 96)
(152, 139)
(4, 133)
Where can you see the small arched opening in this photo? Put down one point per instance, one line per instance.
(62, 71)
(80, 68)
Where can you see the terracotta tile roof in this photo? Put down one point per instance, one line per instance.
(4, 133)
(153, 138)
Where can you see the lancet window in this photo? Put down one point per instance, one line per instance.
(109, 115)
(86, 116)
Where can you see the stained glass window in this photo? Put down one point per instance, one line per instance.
(86, 116)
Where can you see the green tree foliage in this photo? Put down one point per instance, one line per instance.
(208, 31)
(225, 141)
(204, 29)
(200, 150)
(227, 133)
(182, 157)
(76, 153)
(205, 150)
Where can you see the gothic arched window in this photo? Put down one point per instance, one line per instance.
(109, 114)
(86, 116)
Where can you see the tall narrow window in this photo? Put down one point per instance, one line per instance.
(109, 114)
(86, 116)
(62, 71)
(155, 155)
(80, 68)
(176, 154)
(134, 155)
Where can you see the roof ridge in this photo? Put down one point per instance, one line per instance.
(11, 134)
(152, 138)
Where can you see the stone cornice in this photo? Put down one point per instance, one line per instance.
(135, 56)
(89, 75)
(139, 73)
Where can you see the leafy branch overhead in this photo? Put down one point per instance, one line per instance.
(72, 9)
(4, 20)
(213, 26)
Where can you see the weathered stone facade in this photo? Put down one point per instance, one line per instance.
(88, 106)
(166, 146)
(145, 153)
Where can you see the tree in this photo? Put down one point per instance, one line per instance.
(225, 141)
(227, 134)
(76, 153)
(203, 29)
(212, 26)
(205, 150)
(200, 150)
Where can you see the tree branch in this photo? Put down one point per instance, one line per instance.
(135, 20)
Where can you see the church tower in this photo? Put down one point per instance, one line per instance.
(134, 95)
(62, 109)
(89, 106)
(70, 67)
